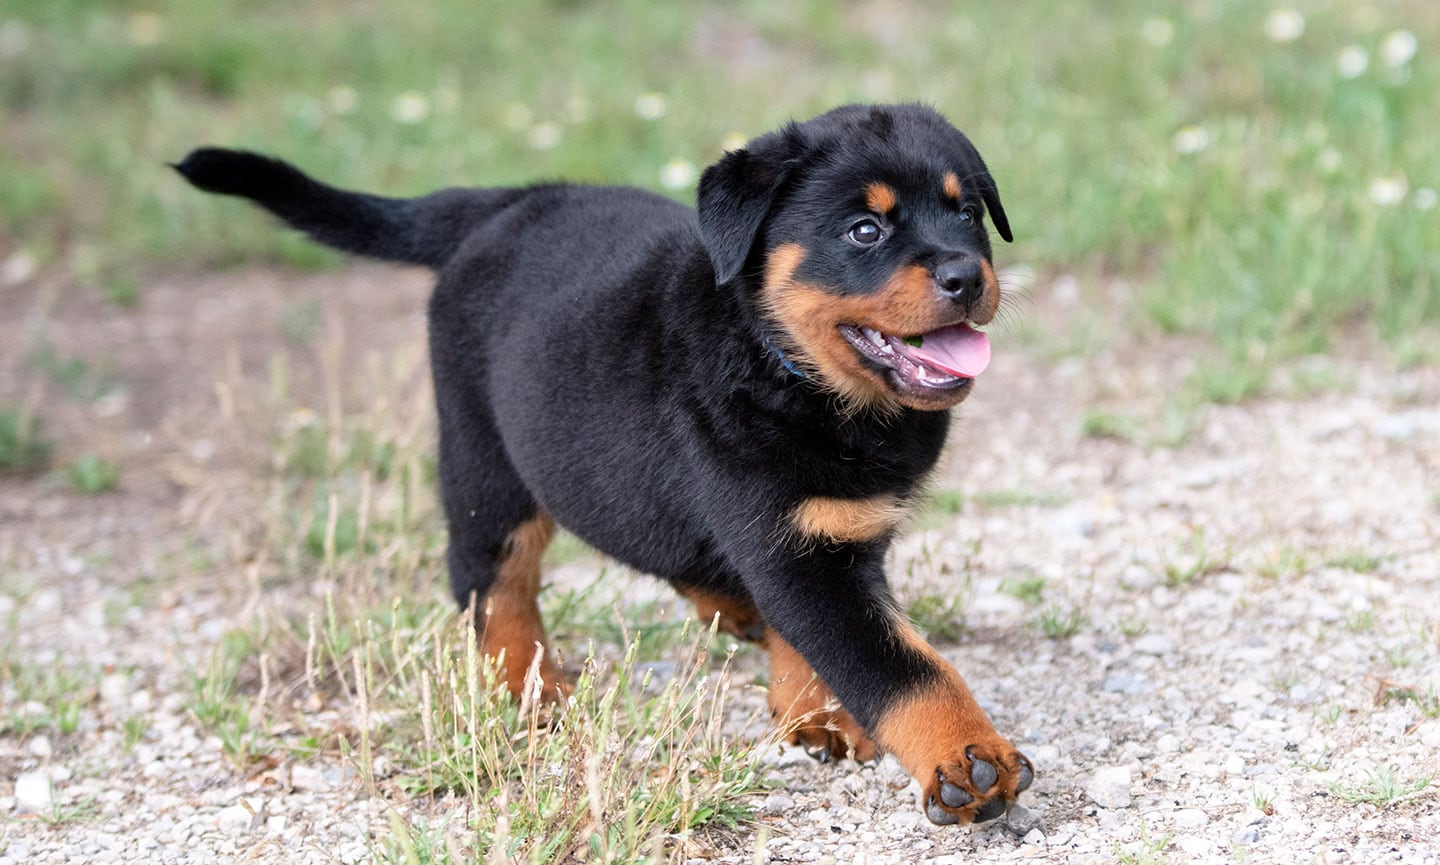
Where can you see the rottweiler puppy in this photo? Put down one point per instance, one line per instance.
(744, 399)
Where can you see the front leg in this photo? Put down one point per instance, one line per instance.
(829, 599)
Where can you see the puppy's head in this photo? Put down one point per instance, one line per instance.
(862, 232)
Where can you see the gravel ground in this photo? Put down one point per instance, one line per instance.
(1234, 622)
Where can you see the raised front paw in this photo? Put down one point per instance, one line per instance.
(979, 783)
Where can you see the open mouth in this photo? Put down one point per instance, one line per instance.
(946, 358)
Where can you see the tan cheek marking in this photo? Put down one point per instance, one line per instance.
(906, 304)
(990, 298)
(880, 198)
(951, 185)
(848, 520)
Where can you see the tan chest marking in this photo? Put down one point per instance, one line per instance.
(848, 520)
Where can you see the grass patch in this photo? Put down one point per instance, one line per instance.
(1106, 425)
(1019, 499)
(633, 768)
(941, 618)
(1194, 560)
(1382, 788)
(49, 697)
(1059, 621)
(92, 475)
(24, 449)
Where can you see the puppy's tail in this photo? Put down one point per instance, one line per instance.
(422, 230)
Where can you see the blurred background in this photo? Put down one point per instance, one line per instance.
(1261, 174)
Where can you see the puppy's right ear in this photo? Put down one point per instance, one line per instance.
(736, 195)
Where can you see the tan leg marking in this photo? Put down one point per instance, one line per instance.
(804, 709)
(511, 631)
(737, 617)
(939, 732)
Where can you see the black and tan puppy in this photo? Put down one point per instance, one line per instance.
(744, 401)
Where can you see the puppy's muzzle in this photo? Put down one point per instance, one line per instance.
(961, 280)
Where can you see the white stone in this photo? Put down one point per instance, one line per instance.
(1110, 787)
(115, 689)
(308, 778)
(40, 746)
(1189, 818)
(234, 819)
(34, 793)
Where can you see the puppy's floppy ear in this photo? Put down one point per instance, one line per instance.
(991, 195)
(736, 194)
(988, 192)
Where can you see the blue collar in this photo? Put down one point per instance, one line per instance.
(785, 361)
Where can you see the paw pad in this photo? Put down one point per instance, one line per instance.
(954, 796)
(982, 774)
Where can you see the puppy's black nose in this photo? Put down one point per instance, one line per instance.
(961, 279)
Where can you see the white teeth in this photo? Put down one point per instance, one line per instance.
(874, 336)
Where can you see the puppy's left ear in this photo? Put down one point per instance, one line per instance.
(991, 195)
(988, 192)
(736, 195)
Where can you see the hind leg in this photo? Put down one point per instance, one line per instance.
(498, 534)
(804, 710)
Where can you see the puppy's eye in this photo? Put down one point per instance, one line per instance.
(866, 232)
(967, 214)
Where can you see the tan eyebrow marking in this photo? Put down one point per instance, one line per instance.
(951, 185)
(880, 198)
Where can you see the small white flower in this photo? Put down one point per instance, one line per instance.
(145, 28)
(1387, 191)
(410, 107)
(1157, 31)
(1191, 139)
(732, 141)
(650, 106)
(1425, 198)
(678, 174)
(1397, 48)
(517, 117)
(1352, 62)
(342, 99)
(1284, 25)
(544, 136)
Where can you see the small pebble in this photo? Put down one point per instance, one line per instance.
(1023, 821)
(34, 793)
(1189, 818)
(1110, 787)
(234, 819)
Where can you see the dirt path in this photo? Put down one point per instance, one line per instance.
(1226, 650)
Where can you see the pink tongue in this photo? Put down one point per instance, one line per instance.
(958, 349)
